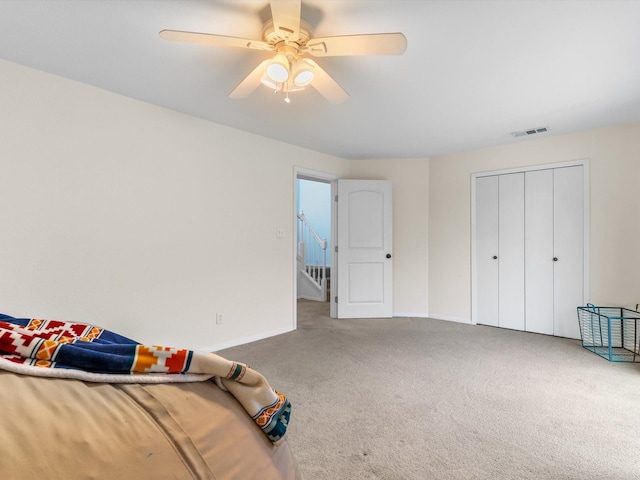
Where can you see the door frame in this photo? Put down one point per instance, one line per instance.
(574, 163)
(323, 177)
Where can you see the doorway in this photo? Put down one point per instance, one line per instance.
(313, 194)
(362, 284)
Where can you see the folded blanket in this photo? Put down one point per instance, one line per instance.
(52, 348)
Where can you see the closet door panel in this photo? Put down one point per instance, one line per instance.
(539, 251)
(486, 248)
(568, 227)
(511, 256)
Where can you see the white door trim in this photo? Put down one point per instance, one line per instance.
(585, 164)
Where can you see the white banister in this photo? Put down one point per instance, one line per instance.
(312, 252)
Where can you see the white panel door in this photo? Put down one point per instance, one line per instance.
(365, 264)
(486, 262)
(511, 257)
(568, 226)
(539, 251)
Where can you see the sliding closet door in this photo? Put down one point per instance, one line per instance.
(539, 251)
(568, 226)
(511, 257)
(487, 250)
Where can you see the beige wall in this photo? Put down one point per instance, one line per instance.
(149, 222)
(614, 163)
(410, 228)
(141, 219)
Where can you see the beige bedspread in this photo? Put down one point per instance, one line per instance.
(58, 428)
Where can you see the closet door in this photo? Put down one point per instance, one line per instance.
(568, 226)
(511, 256)
(487, 250)
(539, 251)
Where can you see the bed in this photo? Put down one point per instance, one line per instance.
(70, 428)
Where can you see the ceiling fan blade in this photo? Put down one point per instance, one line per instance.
(325, 85)
(250, 82)
(286, 18)
(214, 40)
(349, 45)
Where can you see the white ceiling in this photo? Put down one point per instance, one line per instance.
(474, 71)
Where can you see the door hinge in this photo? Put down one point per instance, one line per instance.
(336, 299)
(336, 249)
(336, 198)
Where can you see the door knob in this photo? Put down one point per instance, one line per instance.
(495, 257)
(388, 255)
(555, 259)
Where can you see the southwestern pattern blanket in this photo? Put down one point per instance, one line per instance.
(53, 348)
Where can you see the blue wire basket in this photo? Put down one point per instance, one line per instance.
(611, 332)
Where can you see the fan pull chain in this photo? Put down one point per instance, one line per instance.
(286, 89)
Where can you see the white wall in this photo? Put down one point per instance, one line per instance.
(410, 179)
(614, 258)
(141, 219)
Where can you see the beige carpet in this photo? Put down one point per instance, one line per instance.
(410, 398)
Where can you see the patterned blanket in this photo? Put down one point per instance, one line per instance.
(52, 348)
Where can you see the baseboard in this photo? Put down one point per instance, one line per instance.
(245, 340)
(415, 315)
(450, 319)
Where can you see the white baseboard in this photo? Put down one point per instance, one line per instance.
(405, 314)
(450, 319)
(244, 340)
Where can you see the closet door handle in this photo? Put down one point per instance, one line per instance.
(555, 259)
(495, 257)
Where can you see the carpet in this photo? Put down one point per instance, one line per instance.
(416, 398)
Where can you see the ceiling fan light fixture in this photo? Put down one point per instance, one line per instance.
(278, 69)
(277, 87)
(303, 78)
(302, 73)
(290, 41)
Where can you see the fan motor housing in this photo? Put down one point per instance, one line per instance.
(273, 37)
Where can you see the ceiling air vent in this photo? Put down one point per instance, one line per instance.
(531, 131)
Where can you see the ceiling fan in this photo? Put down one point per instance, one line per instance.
(290, 39)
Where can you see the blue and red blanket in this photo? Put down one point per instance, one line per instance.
(52, 348)
(87, 348)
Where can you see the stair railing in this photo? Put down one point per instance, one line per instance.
(312, 251)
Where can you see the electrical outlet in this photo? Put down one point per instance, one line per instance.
(218, 319)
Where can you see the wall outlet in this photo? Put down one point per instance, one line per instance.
(279, 232)
(218, 319)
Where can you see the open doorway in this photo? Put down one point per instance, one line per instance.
(364, 282)
(314, 240)
(313, 254)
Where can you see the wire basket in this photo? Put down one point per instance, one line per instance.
(611, 332)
